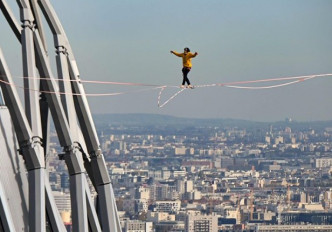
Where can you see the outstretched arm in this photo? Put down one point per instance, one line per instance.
(195, 54)
(177, 54)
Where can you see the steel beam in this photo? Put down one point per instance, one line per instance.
(30, 153)
(68, 104)
(5, 214)
(30, 149)
(2, 102)
(13, 23)
(45, 121)
(65, 121)
(38, 21)
(49, 85)
(72, 155)
(29, 72)
(108, 213)
(99, 173)
(78, 204)
(56, 225)
(55, 220)
(92, 214)
(37, 215)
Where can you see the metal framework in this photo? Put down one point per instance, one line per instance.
(73, 123)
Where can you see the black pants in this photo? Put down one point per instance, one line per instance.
(185, 72)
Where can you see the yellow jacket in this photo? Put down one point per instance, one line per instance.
(186, 58)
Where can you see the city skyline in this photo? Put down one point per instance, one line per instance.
(262, 178)
(130, 41)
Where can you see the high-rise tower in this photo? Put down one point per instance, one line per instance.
(26, 200)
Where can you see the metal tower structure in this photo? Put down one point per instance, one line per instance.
(26, 200)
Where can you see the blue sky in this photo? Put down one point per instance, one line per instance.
(130, 40)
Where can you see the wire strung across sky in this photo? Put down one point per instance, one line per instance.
(236, 84)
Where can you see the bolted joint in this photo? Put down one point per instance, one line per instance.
(26, 15)
(28, 23)
(31, 152)
(36, 140)
(61, 50)
(96, 154)
(72, 157)
(23, 147)
(60, 43)
(66, 151)
(77, 145)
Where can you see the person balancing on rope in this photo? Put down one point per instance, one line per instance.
(186, 60)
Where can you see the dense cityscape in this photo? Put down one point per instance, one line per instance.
(212, 175)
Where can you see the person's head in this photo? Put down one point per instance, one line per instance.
(186, 50)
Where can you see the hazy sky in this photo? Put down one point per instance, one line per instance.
(237, 40)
